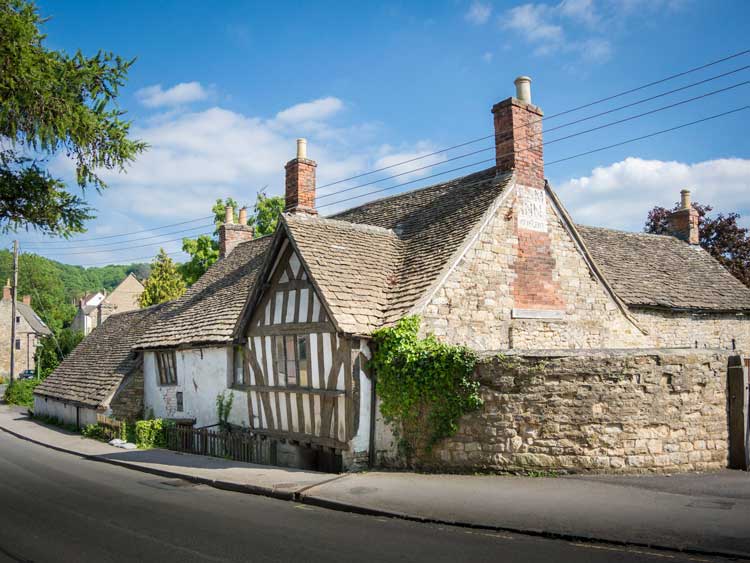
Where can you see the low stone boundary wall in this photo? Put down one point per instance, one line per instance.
(629, 411)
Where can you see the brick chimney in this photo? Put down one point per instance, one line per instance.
(7, 291)
(27, 300)
(518, 136)
(683, 223)
(231, 234)
(300, 182)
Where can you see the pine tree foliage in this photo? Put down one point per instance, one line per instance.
(165, 282)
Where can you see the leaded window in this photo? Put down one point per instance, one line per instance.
(166, 366)
(291, 360)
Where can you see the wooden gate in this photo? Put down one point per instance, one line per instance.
(739, 409)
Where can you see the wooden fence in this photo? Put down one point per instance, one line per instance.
(237, 445)
(112, 428)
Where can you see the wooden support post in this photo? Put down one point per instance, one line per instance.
(737, 384)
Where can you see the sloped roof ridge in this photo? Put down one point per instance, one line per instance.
(624, 232)
(422, 189)
(362, 227)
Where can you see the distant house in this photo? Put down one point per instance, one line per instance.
(29, 329)
(94, 308)
(103, 375)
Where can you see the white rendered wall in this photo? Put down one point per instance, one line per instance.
(64, 412)
(202, 374)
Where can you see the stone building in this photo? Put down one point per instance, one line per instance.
(94, 308)
(491, 260)
(102, 375)
(29, 329)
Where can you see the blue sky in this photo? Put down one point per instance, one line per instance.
(221, 90)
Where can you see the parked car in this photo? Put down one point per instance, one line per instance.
(27, 374)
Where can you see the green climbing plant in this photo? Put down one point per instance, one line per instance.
(223, 408)
(425, 385)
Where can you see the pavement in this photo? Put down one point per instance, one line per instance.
(706, 514)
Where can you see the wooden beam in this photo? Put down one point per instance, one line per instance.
(291, 328)
(319, 440)
(275, 388)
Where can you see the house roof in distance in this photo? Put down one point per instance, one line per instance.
(208, 311)
(662, 271)
(32, 318)
(97, 366)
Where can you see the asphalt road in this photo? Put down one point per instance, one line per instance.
(58, 507)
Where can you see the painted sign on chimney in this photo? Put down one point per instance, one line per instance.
(532, 209)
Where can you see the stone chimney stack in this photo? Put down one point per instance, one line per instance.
(7, 293)
(231, 234)
(518, 136)
(683, 223)
(27, 300)
(300, 182)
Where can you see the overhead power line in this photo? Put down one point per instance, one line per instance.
(159, 243)
(110, 244)
(553, 116)
(599, 149)
(566, 137)
(121, 234)
(128, 260)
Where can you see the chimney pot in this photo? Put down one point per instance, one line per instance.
(243, 216)
(300, 182)
(683, 223)
(228, 215)
(685, 199)
(301, 148)
(523, 89)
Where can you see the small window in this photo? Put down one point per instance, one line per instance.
(165, 363)
(18, 343)
(238, 365)
(180, 406)
(291, 360)
(18, 320)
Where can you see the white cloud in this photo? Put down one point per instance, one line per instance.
(487, 57)
(183, 93)
(580, 10)
(478, 13)
(621, 194)
(316, 110)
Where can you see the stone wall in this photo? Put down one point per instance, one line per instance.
(701, 330)
(24, 356)
(475, 305)
(127, 403)
(603, 411)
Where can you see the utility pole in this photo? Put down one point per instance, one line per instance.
(13, 291)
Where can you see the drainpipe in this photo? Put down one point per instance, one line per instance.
(373, 411)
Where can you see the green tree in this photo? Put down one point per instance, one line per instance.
(721, 236)
(204, 250)
(266, 213)
(54, 103)
(164, 284)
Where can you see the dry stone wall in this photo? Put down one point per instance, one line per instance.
(606, 411)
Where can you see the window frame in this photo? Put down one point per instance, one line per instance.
(297, 366)
(242, 349)
(166, 359)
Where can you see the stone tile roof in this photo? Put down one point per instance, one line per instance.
(354, 267)
(662, 271)
(32, 318)
(208, 311)
(97, 366)
(373, 276)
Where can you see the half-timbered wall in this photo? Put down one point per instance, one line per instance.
(321, 396)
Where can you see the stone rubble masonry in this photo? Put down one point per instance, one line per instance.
(473, 307)
(127, 403)
(24, 332)
(300, 186)
(616, 411)
(518, 141)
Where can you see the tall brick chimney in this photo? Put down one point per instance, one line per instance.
(300, 182)
(518, 136)
(231, 234)
(683, 223)
(27, 300)
(7, 292)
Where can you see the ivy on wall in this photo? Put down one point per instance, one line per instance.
(425, 386)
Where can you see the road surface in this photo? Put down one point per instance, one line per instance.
(59, 507)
